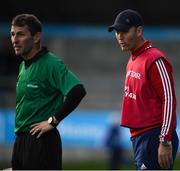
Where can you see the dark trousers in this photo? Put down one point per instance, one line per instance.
(145, 148)
(31, 153)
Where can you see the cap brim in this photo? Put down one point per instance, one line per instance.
(119, 27)
(110, 28)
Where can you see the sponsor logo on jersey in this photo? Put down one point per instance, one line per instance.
(32, 85)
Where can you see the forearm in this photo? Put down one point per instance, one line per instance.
(72, 100)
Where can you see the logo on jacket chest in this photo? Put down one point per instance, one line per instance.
(128, 93)
(133, 74)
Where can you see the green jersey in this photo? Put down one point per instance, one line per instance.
(41, 89)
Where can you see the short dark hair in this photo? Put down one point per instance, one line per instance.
(30, 20)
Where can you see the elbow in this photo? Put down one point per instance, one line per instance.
(83, 92)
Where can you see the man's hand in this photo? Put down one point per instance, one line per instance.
(40, 128)
(165, 158)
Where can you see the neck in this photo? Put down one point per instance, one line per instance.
(139, 43)
(31, 54)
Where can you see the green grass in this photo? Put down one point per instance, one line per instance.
(102, 165)
(96, 165)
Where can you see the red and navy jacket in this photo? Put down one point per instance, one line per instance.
(149, 97)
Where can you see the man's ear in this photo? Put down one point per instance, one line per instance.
(37, 37)
(139, 31)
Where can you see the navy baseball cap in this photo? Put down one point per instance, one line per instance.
(125, 20)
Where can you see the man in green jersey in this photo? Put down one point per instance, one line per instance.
(46, 92)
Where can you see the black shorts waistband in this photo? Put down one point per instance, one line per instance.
(28, 133)
(21, 133)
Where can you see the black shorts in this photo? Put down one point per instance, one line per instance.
(31, 153)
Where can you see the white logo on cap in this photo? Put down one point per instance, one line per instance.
(127, 20)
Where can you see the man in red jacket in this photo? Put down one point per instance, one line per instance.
(149, 102)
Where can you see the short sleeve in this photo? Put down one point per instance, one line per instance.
(63, 79)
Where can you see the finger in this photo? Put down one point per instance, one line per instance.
(161, 162)
(40, 133)
(163, 165)
(33, 125)
(166, 162)
(35, 130)
(169, 161)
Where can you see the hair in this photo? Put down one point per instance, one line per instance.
(30, 20)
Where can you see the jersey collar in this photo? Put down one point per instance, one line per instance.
(36, 57)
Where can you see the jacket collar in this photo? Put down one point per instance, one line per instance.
(146, 45)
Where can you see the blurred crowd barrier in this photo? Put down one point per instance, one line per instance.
(94, 55)
(83, 129)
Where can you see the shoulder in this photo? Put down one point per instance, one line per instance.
(51, 57)
(54, 65)
(154, 54)
(52, 60)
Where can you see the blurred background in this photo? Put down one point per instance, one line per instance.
(77, 32)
